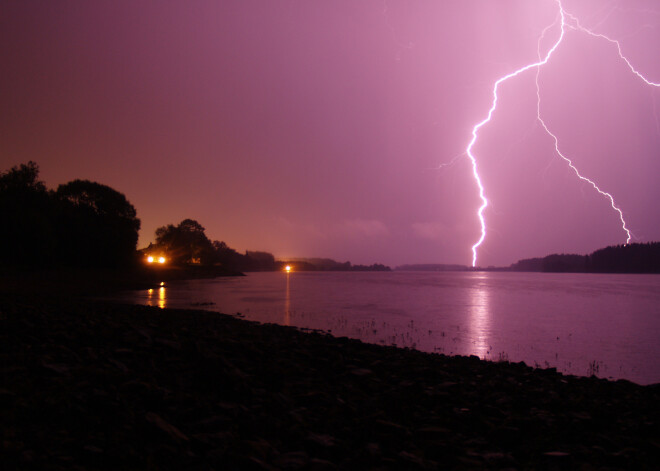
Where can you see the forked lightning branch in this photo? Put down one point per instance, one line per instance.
(565, 21)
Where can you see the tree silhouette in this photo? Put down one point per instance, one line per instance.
(21, 179)
(258, 261)
(227, 257)
(630, 258)
(97, 224)
(27, 215)
(185, 244)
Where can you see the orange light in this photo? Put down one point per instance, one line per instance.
(153, 259)
(287, 268)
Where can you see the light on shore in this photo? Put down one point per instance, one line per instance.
(152, 259)
(287, 268)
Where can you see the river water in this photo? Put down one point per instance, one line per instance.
(581, 324)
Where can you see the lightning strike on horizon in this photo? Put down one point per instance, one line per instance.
(542, 61)
(475, 129)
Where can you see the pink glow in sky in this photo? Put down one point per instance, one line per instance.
(322, 128)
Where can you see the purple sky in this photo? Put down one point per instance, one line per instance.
(317, 128)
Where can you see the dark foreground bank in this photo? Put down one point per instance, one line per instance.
(79, 282)
(88, 385)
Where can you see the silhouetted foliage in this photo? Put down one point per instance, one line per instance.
(328, 264)
(226, 256)
(258, 261)
(98, 226)
(556, 263)
(432, 267)
(631, 258)
(564, 263)
(185, 243)
(21, 179)
(27, 217)
(528, 264)
(81, 224)
(373, 267)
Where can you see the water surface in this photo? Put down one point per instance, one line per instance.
(582, 324)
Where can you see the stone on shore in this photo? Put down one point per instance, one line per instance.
(91, 385)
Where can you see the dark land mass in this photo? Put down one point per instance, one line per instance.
(432, 267)
(92, 385)
(327, 264)
(630, 258)
(97, 281)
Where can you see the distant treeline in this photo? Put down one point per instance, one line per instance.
(327, 264)
(432, 267)
(631, 258)
(186, 244)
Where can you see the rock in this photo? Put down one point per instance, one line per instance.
(142, 388)
(166, 427)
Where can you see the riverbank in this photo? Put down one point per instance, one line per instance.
(92, 385)
(96, 282)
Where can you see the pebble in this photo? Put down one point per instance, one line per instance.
(93, 385)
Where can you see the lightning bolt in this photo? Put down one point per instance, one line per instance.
(616, 43)
(575, 25)
(475, 131)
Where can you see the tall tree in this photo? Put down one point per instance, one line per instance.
(98, 225)
(26, 217)
(21, 179)
(185, 243)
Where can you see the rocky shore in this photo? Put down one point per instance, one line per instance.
(91, 385)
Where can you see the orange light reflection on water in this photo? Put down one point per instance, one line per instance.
(287, 302)
(152, 301)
